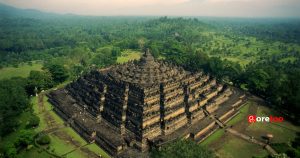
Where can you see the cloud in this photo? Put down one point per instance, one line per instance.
(224, 1)
(108, 3)
(237, 8)
(91, 6)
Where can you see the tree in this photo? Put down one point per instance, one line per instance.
(257, 80)
(76, 71)
(116, 51)
(13, 100)
(182, 148)
(25, 138)
(34, 121)
(215, 66)
(292, 93)
(197, 61)
(43, 140)
(103, 60)
(10, 151)
(58, 73)
(39, 79)
(105, 56)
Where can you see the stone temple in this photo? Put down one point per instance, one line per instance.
(129, 108)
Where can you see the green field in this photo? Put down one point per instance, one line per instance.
(220, 132)
(215, 136)
(60, 139)
(236, 148)
(128, 55)
(244, 49)
(244, 111)
(229, 146)
(22, 70)
(283, 132)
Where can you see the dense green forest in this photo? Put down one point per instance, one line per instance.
(257, 55)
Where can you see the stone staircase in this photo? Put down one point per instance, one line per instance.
(218, 121)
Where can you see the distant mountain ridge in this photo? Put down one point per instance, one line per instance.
(7, 11)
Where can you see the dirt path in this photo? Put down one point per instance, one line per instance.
(54, 128)
(252, 140)
(41, 103)
(240, 132)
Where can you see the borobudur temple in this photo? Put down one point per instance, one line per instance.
(129, 108)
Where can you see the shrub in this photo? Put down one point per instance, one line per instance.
(10, 151)
(291, 153)
(182, 148)
(25, 138)
(43, 140)
(281, 147)
(34, 121)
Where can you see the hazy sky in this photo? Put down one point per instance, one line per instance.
(236, 8)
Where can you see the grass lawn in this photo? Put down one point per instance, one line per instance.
(227, 145)
(34, 153)
(245, 49)
(77, 154)
(94, 148)
(128, 55)
(22, 71)
(244, 111)
(220, 132)
(212, 138)
(237, 148)
(61, 146)
(282, 132)
(241, 61)
(58, 145)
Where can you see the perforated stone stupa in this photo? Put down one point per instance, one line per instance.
(134, 106)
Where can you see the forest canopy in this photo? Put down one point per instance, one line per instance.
(258, 55)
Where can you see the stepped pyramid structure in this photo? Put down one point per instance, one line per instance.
(134, 106)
